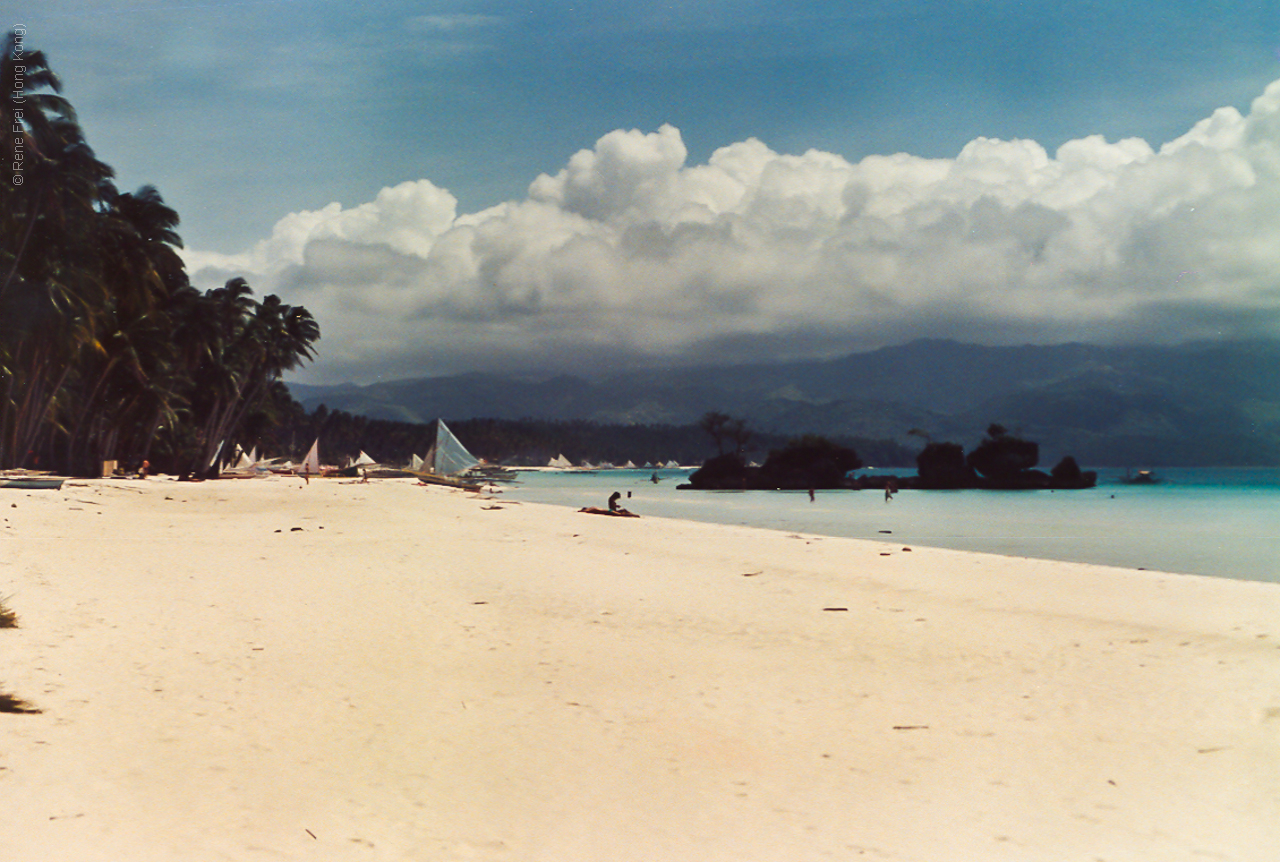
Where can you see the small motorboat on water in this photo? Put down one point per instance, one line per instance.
(491, 473)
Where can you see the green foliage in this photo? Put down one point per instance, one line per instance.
(942, 465)
(1004, 462)
(723, 472)
(811, 449)
(106, 350)
(810, 462)
(721, 426)
(713, 423)
(1001, 457)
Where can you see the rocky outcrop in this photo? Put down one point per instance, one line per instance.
(809, 463)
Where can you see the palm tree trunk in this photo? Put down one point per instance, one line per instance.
(74, 436)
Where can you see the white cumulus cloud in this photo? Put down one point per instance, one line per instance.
(629, 253)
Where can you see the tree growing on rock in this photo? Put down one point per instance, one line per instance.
(942, 466)
(809, 462)
(1003, 459)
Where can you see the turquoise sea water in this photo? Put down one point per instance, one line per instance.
(1219, 522)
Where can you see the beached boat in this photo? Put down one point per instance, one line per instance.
(32, 483)
(449, 463)
(448, 481)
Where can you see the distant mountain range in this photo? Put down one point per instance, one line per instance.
(1198, 404)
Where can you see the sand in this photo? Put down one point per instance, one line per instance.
(258, 670)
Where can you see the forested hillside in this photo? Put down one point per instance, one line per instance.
(1196, 404)
(534, 442)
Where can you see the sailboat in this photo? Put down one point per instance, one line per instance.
(448, 462)
(311, 464)
(447, 456)
(243, 468)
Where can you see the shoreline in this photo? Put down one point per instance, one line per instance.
(423, 673)
(1191, 529)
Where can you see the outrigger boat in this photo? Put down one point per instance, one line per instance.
(32, 483)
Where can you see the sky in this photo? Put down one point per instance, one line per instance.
(582, 187)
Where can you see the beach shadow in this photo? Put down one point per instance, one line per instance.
(9, 703)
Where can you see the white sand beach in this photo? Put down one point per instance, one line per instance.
(258, 670)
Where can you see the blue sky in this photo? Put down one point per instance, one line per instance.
(254, 117)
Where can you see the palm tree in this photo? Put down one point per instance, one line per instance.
(49, 286)
(46, 121)
(105, 348)
(134, 380)
(250, 345)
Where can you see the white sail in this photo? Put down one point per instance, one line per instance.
(217, 453)
(311, 463)
(448, 456)
(560, 462)
(364, 460)
(416, 464)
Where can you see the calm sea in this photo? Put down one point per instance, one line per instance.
(1220, 522)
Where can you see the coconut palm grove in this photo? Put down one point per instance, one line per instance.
(106, 350)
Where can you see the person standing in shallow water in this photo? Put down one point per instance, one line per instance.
(811, 495)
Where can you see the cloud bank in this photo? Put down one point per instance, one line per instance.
(629, 254)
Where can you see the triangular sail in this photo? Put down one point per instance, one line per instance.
(416, 464)
(364, 460)
(560, 462)
(448, 456)
(311, 463)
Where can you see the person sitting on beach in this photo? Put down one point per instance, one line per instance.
(613, 501)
